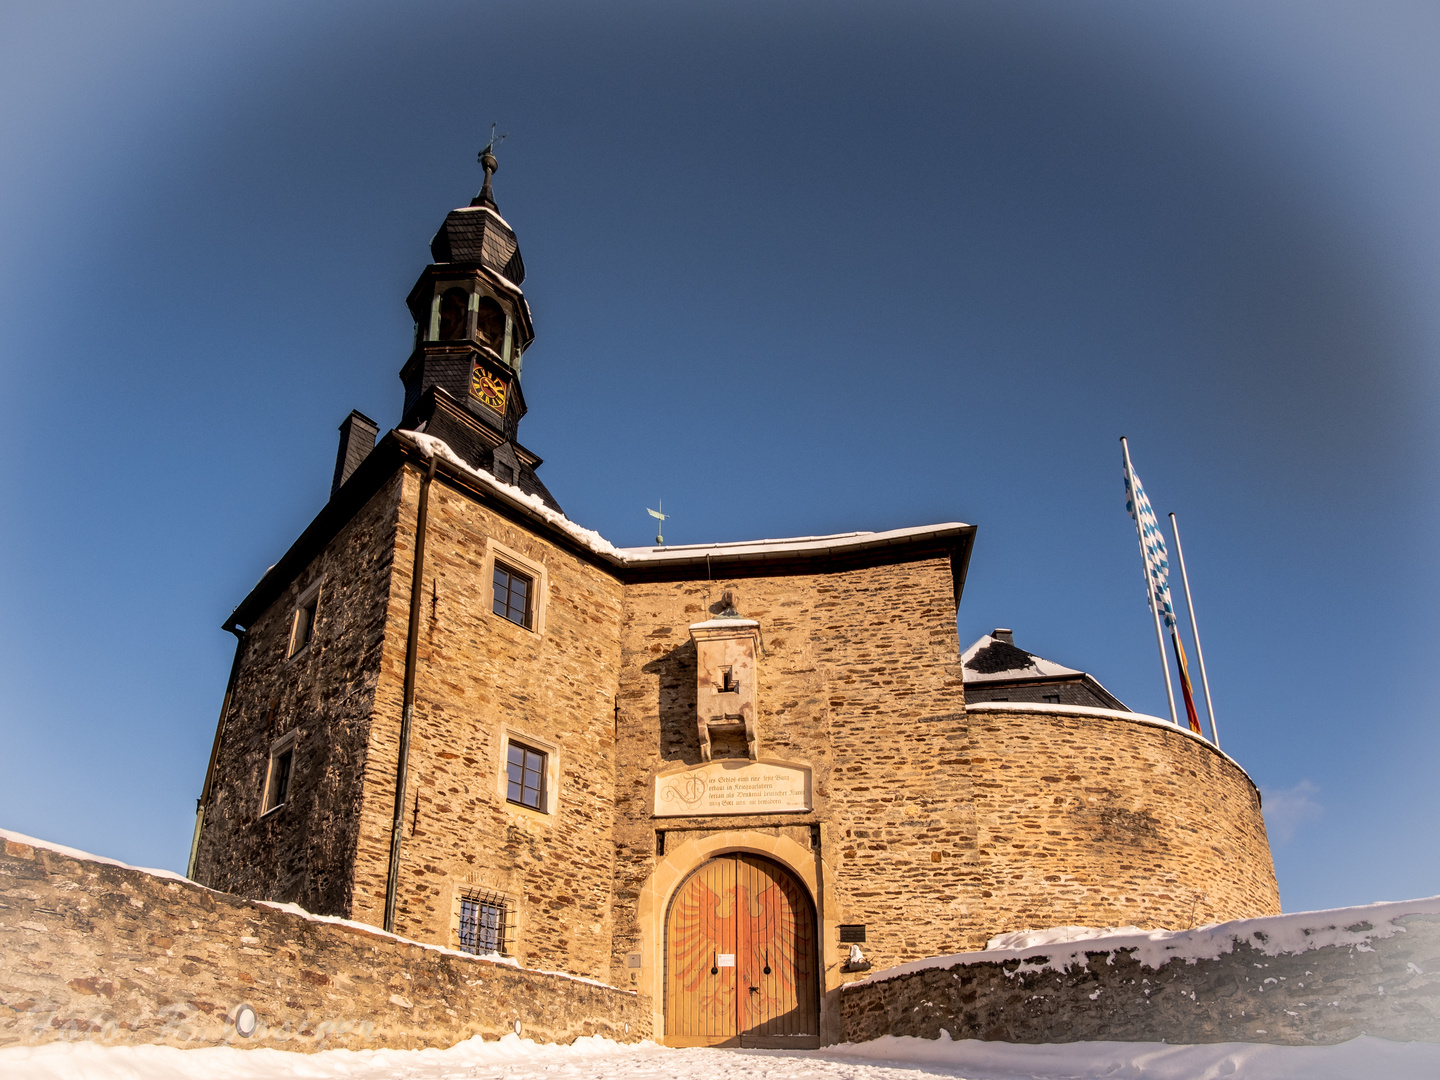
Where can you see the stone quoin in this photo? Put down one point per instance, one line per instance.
(700, 773)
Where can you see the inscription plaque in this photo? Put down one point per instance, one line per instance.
(732, 787)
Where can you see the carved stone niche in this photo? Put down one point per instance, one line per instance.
(726, 649)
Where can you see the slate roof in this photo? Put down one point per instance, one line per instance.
(477, 234)
(996, 666)
(992, 659)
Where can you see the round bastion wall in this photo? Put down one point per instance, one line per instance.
(1088, 817)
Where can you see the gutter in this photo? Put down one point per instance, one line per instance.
(412, 645)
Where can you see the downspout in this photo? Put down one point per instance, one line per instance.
(201, 802)
(412, 645)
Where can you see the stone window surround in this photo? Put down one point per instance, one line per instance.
(508, 916)
(504, 885)
(279, 746)
(552, 774)
(310, 596)
(539, 584)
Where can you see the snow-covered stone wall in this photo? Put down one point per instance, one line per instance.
(91, 949)
(1309, 978)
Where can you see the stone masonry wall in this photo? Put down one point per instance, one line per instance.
(303, 852)
(479, 678)
(1377, 974)
(1084, 817)
(115, 955)
(859, 680)
(902, 830)
(938, 826)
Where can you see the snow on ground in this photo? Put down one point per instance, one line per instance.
(889, 1058)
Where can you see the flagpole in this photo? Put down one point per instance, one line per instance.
(1149, 585)
(1195, 632)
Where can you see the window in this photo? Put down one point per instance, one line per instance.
(512, 595)
(302, 626)
(490, 324)
(485, 925)
(525, 777)
(518, 584)
(1052, 699)
(453, 305)
(278, 774)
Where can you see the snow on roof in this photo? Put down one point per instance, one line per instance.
(793, 545)
(429, 447)
(486, 209)
(1064, 947)
(724, 624)
(506, 281)
(992, 659)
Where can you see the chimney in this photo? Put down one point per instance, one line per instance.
(1001, 634)
(357, 439)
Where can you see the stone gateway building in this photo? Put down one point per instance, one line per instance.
(728, 777)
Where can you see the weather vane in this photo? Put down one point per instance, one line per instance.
(486, 157)
(660, 519)
(495, 140)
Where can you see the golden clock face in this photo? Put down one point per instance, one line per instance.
(488, 389)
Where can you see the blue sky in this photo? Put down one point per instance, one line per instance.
(796, 269)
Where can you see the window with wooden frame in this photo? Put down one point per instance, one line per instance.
(514, 595)
(525, 777)
(302, 622)
(486, 924)
(279, 774)
(518, 586)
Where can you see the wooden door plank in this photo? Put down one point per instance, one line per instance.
(756, 911)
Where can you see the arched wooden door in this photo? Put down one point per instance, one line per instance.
(740, 957)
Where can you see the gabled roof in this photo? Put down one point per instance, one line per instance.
(995, 659)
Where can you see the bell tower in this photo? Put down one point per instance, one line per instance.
(472, 327)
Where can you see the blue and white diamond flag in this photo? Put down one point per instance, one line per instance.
(1152, 542)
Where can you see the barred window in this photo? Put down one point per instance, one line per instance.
(485, 924)
(512, 595)
(525, 775)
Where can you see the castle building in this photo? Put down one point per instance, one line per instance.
(729, 777)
